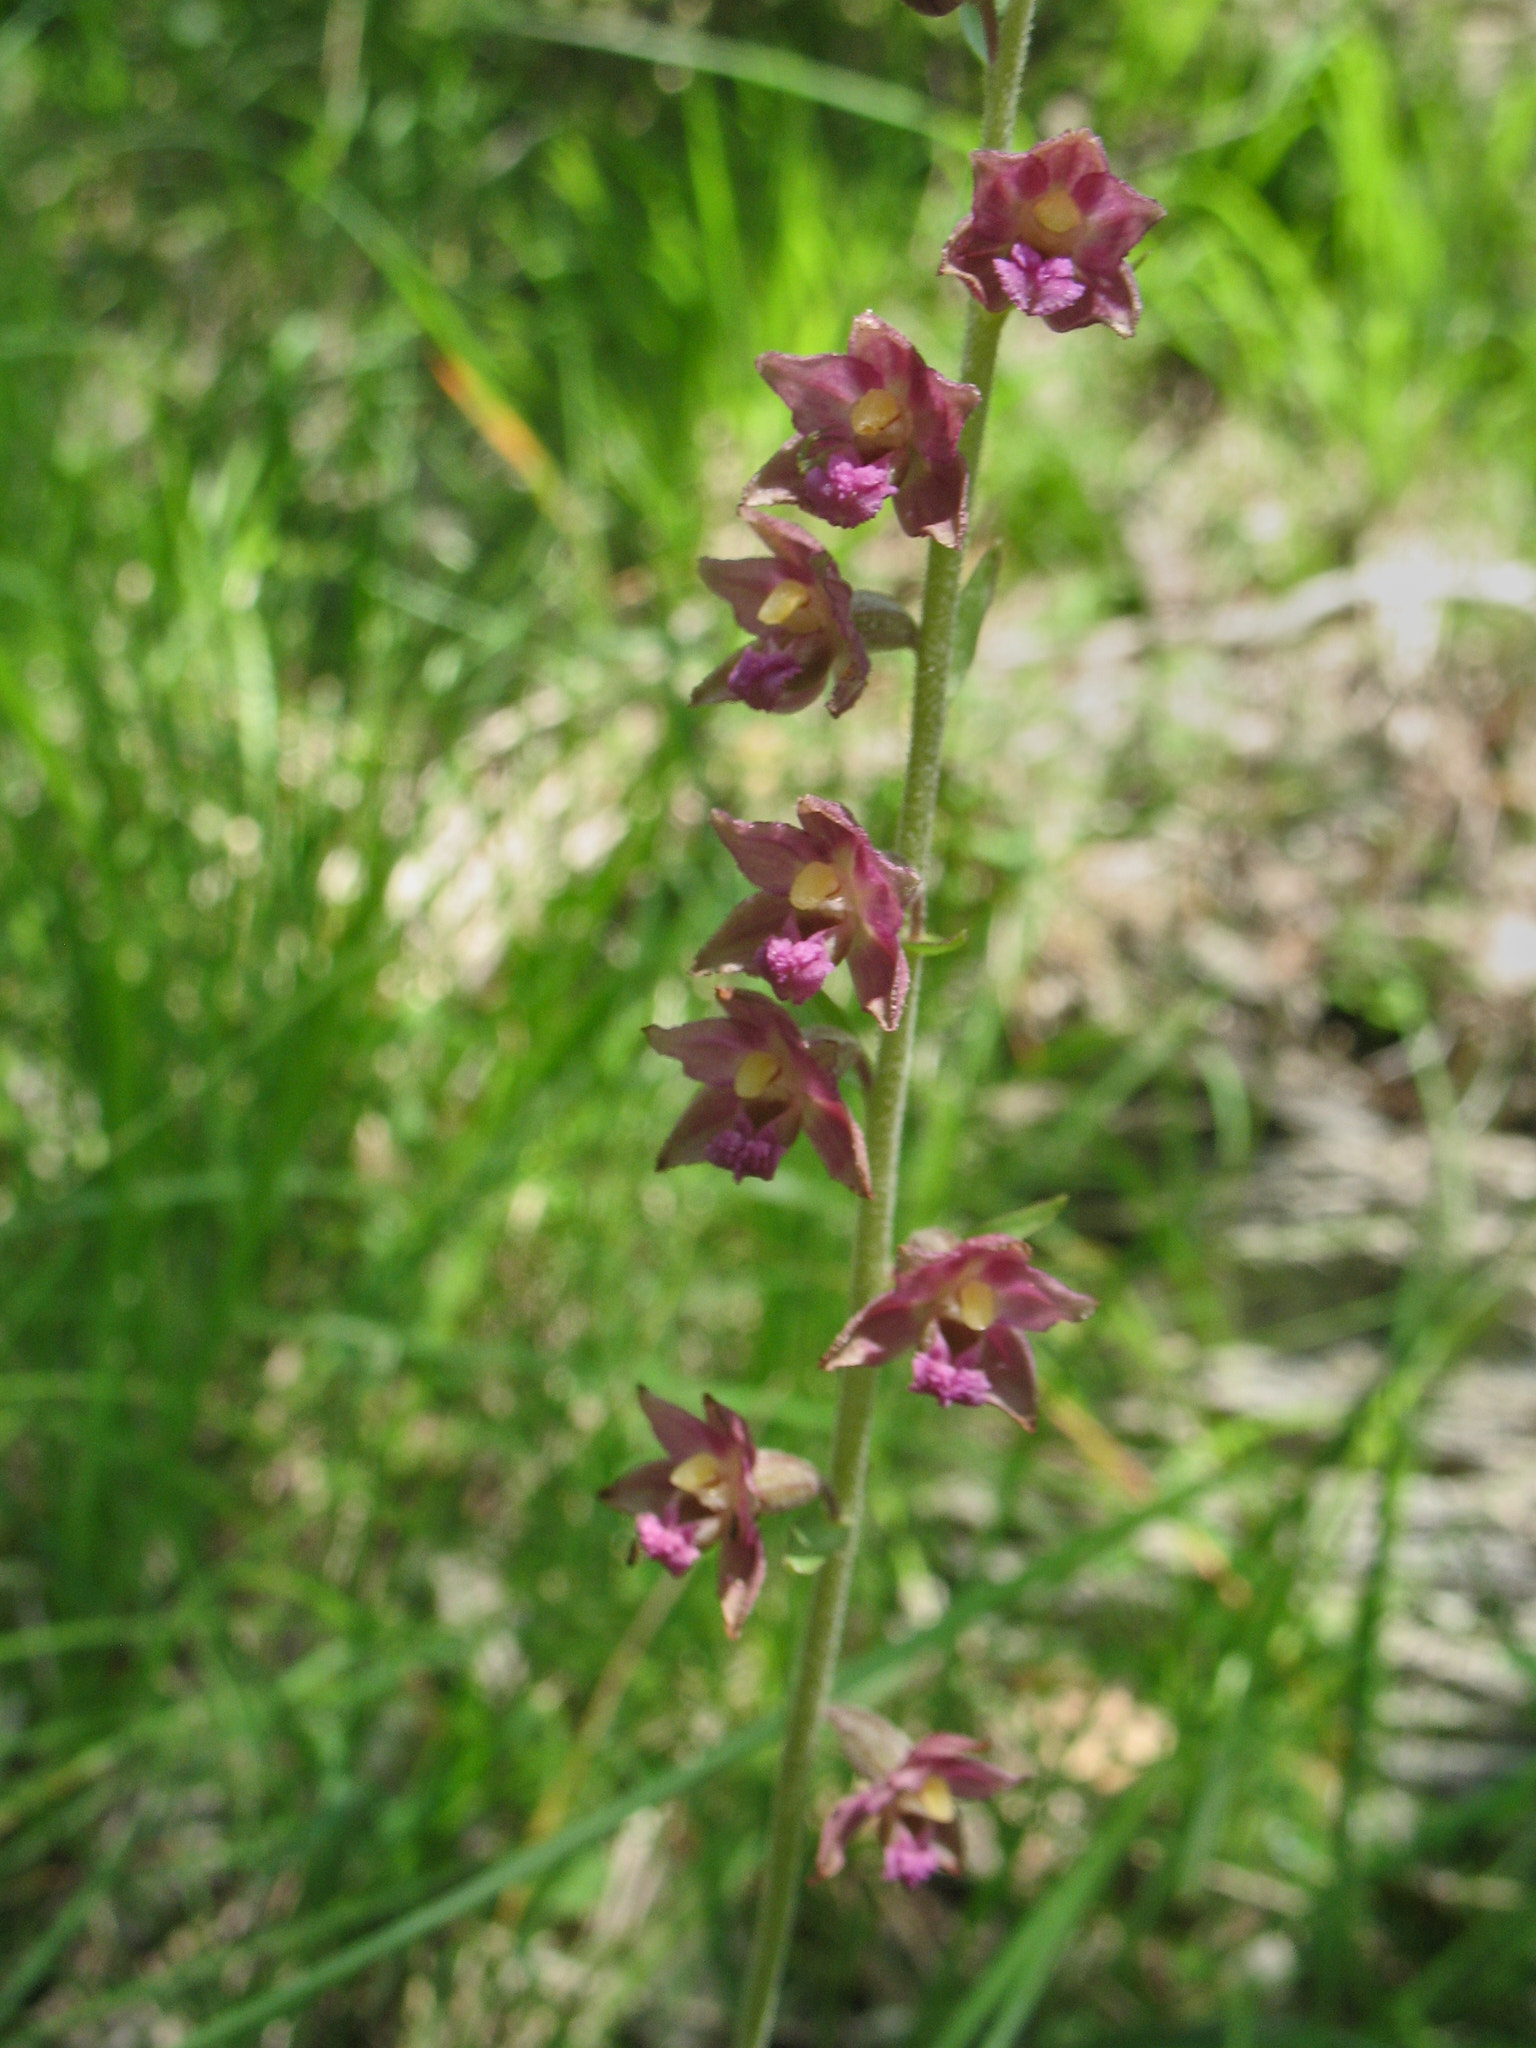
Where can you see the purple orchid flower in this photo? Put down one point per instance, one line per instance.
(801, 612)
(873, 424)
(709, 1489)
(1049, 232)
(909, 1799)
(763, 1079)
(824, 894)
(965, 1309)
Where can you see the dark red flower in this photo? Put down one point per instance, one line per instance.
(873, 424)
(910, 1797)
(966, 1310)
(1049, 232)
(709, 1489)
(763, 1080)
(801, 612)
(824, 894)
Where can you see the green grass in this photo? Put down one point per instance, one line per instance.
(329, 1247)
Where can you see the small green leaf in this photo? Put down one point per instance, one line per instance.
(930, 946)
(803, 1562)
(974, 33)
(882, 622)
(974, 602)
(1027, 1221)
(820, 1539)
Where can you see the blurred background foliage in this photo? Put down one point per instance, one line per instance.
(372, 378)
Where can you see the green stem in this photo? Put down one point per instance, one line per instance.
(884, 1120)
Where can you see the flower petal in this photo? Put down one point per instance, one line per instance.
(735, 946)
(647, 1489)
(743, 1567)
(891, 362)
(882, 1330)
(932, 500)
(1115, 217)
(844, 1821)
(873, 1745)
(1033, 1300)
(819, 390)
(769, 854)
(716, 686)
(800, 553)
(711, 1112)
(709, 1050)
(1112, 299)
(931, 1752)
(778, 481)
(829, 827)
(744, 583)
(761, 1019)
(729, 1430)
(680, 1434)
(1005, 1356)
(839, 1141)
(853, 662)
(970, 1778)
(940, 412)
(881, 977)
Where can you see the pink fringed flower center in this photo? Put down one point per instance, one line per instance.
(935, 1372)
(761, 675)
(845, 492)
(670, 1544)
(1039, 284)
(746, 1154)
(908, 1861)
(796, 968)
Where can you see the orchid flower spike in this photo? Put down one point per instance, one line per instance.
(965, 1309)
(909, 1798)
(763, 1080)
(801, 613)
(873, 424)
(1049, 232)
(709, 1489)
(824, 894)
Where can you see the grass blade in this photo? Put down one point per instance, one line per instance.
(1010, 1987)
(866, 1678)
(784, 71)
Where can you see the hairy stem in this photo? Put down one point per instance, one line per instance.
(885, 1117)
